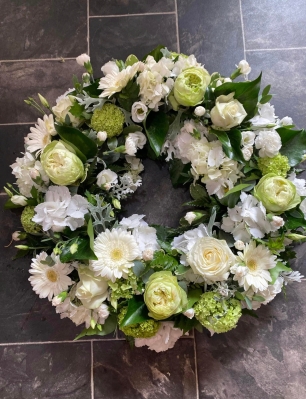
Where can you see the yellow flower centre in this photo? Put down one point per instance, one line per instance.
(252, 265)
(52, 276)
(46, 139)
(116, 254)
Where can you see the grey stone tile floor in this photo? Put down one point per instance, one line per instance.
(262, 358)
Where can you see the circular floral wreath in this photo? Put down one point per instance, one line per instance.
(230, 253)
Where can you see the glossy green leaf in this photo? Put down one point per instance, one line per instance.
(156, 126)
(136, 312)
(293, 144)
(236, 189)
(177, 169)
(198, 192)
(156, 53)
(193, 296)
(77, 249)
(164, 261)
(231, 142)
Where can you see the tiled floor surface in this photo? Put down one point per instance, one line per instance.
(39, 39)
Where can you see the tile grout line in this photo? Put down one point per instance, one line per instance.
(242, 29)
(62, 59)
(91, 372)
(196, 365)
(277, 49)
(58, 342)
(177, 28)
(17, 123)
(131, 15)
(87, 27)
(3, 193)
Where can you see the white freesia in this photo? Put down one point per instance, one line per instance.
(244, 67)
(139, 111)
(134, 141)
(46, 280)
(164, 339)
(102, 136)
(252, 271)
(190, 216)
(211, 258)
(82, 59)
(62, 108)
(300, 184)
(91, 290)
(199, 111)
(268, 142)
(107, 179)
(19, 200)
(228, 112)
(116, 250)
(60, 209)
(266, 116)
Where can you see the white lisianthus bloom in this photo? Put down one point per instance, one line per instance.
(48, 281)
(248, 138)
(190, 216)
(115, 81)
(199, 111)
(189, 313)
(91, 290)
(60, 209)
(40, 135)
(227, 112)
(211, 258)
(133, 221)
(255, 262)
(300, 184)
(244, 67)
(266, 116)
(286, 121)
(134, 141)
(107, 178)
(164, 339)
(82, 59)
(268, 142)
(61, 109)
(19, 200)
(139, 111)
(116, 250)
(247, 152)
(102, 136)
(26, 167)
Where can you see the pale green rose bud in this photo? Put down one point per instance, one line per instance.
(116, 203)
(295, 237)
(190, 86)
(163, 296)
(22, 247)
(61, 165)
(276, 193)
(91, 290)
(227, 112)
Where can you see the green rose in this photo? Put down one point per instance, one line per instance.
(276, 193)
(61, 165)
(163, 296)
(190, 86)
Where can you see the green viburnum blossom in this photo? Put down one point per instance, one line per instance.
(279, 165)
(26, 220)
(61, 165)
(163, 295)
(145, 329)
(122, 289)
(109, 119)
(276, 244)
(190, 86)
(276, 193)
(216, 313)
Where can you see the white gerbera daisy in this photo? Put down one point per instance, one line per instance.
(115, 81)
(40, 135)
(254, 271)
(116, 250)
(48, 281)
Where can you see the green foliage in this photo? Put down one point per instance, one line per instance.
(101, 213)
(163, 261)
(231, 142)
(156, 53)
(293, 144)
(107, 328)
(280, 267)
(178, 172)
(79, 248)
(137, 311)
(156, 127)
(128, 95)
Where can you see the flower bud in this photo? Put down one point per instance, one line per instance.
(19, 235)
(86, 77)
(19, 200)
(8, 192)
(244, 67)
(102, 136)
(199, 111)
(24, 247)
(189, 313)
(116, 203)
(190, 217)
(43, 101)
(295, 237)
(82, 59)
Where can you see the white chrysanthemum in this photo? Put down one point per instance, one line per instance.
(255, 262)
(27, 168)
(164, 339)
(40, 135)
(269, 143)
(265, 116)
(116, 250)
(48, 281)
(115, 81)
(60, 209)
(77, 314)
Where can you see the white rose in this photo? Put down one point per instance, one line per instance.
(286, 121)
(227, 112)
(134, 141)
(82, 59)
(199, 111)
(268, 142)
(102, 136)
(190, 216)
(107, 178)
(19, 200)
(211, 258)
(189, 313)
(248, 138)
(61, 109)
(244, 67)
(91, 290)
(139, 111)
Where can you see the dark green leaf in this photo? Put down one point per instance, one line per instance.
(236, 189)
(10, 205)
(164, 261)
(112, 143)
(239, 296)
(198, 192)
(293, 222)
(280, 267)
(177, 168)
(231, 200)
(128, 95)
(90, 232)
(193, 297)
(140, 268)
(266, 90)
(156, 126)
(249, 312)
(293, 144)
(107, 328)
(80, 246)
(156, 53)
(184, 323)
(231, 142)
(258, 298)
(21, 253)
(136, 313)
(265, 99)
(77, 110)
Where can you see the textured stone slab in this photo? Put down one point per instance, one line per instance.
(39, 29)
(117, 7)
(57, 371)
